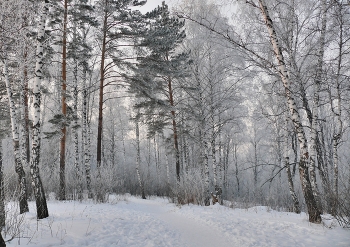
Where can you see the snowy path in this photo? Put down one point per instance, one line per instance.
(191, 232)
(133, 222)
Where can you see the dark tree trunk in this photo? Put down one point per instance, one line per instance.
(2, 241)
(2, 194)
(100, 104)
(62, 190)
(176, 143)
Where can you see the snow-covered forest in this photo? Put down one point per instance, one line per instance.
(241, 103)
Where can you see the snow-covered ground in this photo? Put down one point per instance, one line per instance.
(129, 221)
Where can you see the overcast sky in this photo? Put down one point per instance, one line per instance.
(152, 4)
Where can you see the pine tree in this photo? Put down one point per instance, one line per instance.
(110, 13)
(160, 65)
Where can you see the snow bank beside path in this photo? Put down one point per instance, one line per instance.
(135, 222)
(259, 226)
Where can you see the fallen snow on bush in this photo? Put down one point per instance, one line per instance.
(130, 221)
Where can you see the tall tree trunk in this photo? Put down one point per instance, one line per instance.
(123, 143)
(296, 208)
(167, 169)
(86, 137)
(337, 111)
(315, 108)
(236, 167)
(221, 159)
(206, 173)
(255, 169)
(41, 205)
(213, 153)
(323, 168)
(24, 114)
(62, 189)
(23, 203)
(313, 211)
(100, 103)
(175, 134)
(157, 163)
(336, 141)
(2, 191)
(203, 146)
(75, 133)
(225, 162)
(186, 157)
(138, 157)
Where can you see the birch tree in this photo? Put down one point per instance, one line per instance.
(41, 205)
(336, 94)
(288, 170)
(315, 109)
(23, 204)
(11, 29)
(314, 212)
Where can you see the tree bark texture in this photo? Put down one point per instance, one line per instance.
(138, 158)
(175, 134)
(25, 115)
(41, 205)
(86, 138)
(296, 208)
(2, 191)
(337, 111)
(100, 103)
(23, 203)
(315, 108)
(62, 189)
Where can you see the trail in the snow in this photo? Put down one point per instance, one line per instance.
(192, 233)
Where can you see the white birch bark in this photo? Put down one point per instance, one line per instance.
(25, 151)
(23, 203)
(75, 132)
(315, 108)
(41, 205)
(206, 172)
(296, 208)
(86, 138)
(314, 213)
